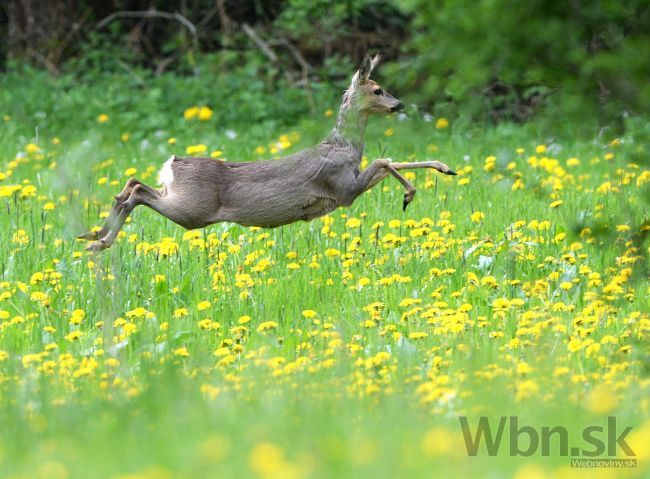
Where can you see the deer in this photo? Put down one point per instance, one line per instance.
(198, 192)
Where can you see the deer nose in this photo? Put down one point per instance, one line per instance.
(397, 107)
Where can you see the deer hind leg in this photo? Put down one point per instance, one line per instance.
(140, 194)
(114, 213)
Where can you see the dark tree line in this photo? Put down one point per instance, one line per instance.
(47, 33)
(505, 58)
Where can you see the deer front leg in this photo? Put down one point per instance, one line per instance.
(436, 165)
(377, 171)
(114, 213)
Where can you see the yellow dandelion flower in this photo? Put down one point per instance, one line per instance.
(205, 324)
(417, 335)
(524, 368)
(31, 148)
(181, 352)
(442, 123)
(205, 113)
(77, 316)
(477, 216)
(490, 163)
(268, 460)
(352, 223)
(267, 326)
(203, 305)
(574, 345)
(74, 336)
(191, 112)
(139, 313)
(332, 252)
(196, 149)
(112, 362)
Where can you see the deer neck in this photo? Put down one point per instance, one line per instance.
(350, 126)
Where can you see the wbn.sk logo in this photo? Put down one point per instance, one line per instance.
(526, 441)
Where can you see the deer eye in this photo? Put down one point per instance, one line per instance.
(378, 91)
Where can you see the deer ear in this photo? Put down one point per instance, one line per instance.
(374, 62)
(365, 69)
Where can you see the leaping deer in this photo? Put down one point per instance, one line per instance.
(197, 192)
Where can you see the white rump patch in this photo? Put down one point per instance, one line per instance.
(166, 174)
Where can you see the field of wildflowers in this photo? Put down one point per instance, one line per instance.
(344, 347)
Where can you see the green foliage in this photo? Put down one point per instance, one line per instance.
(586, 55)
(325, 22)
(301, 17)
(238, 87)
(490, 59)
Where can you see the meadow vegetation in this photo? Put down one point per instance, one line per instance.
(344, 347)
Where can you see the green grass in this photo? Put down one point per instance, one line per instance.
(133, 385)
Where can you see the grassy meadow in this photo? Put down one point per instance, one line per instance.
(346, 347)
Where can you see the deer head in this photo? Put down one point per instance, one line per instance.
(366, 95)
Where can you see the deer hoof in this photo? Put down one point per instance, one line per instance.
(451, 172)
(408, 197)
(91, 235)
(97, 246)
